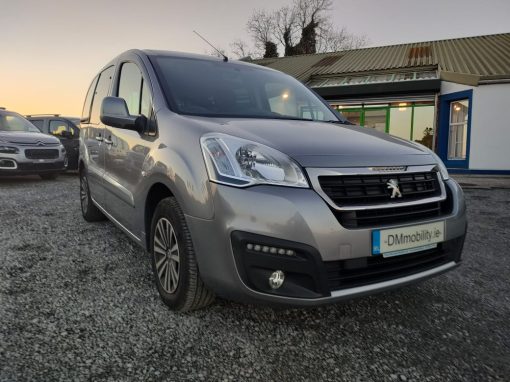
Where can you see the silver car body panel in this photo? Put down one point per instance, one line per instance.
(135, 165)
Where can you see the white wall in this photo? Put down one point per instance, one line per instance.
(490, 125)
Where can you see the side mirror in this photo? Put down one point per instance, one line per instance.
(66, 134)
(114, 112)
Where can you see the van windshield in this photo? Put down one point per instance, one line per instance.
(13, 122)
(229, 89)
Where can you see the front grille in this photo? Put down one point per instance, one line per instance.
(353, 190)
(375, 217)
(368, 270)
(391, 215)
(41, 154)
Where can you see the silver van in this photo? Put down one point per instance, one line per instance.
(243, 183)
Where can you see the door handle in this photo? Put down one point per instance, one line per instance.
(99, 138)
(107, 141)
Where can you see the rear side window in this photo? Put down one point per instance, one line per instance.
(103, 85)
(134, 90)
(57, 127)
(85, 114)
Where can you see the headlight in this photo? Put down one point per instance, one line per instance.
(62, 149)
(8, 150)
(440, 164)
(241, 163)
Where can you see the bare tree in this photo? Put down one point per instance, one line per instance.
(312, 11)
(240, 49)
(284, 25)
(261, 27)
(310, 15)
(303, 27)
(330, 39)
(216, 53)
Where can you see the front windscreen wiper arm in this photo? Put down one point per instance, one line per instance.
(339, 122)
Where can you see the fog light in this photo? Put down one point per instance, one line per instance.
(276, 279)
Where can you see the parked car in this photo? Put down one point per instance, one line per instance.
(25, 150)
(243, 183)
(64, 128)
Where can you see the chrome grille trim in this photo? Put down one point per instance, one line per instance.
(314, 173)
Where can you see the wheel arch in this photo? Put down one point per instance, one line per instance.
(157, 192)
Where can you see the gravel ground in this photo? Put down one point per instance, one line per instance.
(77, 302)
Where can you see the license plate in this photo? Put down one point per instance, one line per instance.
(399, 241)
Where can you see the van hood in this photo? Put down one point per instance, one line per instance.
(27, 138)
(323, 144)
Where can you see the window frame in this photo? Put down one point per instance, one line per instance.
(57, 120)
(142, 83)
(95, 92)
(92, 87)
(444, 120)
(464, 125)
(363, 108)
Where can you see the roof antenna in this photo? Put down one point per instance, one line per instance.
(225, 58)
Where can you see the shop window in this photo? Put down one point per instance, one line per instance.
(400, 121)
(376, 119)
(423, 125)
(457, 140)
(353, 116)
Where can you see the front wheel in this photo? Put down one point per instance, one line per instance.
(173, 260)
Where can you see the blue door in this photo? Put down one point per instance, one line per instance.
(455, 128)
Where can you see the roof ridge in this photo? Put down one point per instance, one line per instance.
(384, 46)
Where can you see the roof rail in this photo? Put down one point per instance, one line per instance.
(2, 108)
(42, 115)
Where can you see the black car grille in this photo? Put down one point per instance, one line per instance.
(353, 190)
(368, 270)
(372, 190)
(391, 215)
(41, 153)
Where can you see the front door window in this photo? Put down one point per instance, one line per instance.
(457, 138)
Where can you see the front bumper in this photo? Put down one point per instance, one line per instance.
(300, 220)
(19, 164)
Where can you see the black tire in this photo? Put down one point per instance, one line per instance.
(88, 209)
(188, 292)
(49, 176)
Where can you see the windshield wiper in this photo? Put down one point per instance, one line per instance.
(339, 122)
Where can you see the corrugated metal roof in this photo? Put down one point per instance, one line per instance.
(484, 56)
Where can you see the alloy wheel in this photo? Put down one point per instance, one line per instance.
(84, 193)
(166, 255)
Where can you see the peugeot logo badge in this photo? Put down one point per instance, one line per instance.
(395, 190)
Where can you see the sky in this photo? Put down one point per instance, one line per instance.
(51, 49)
